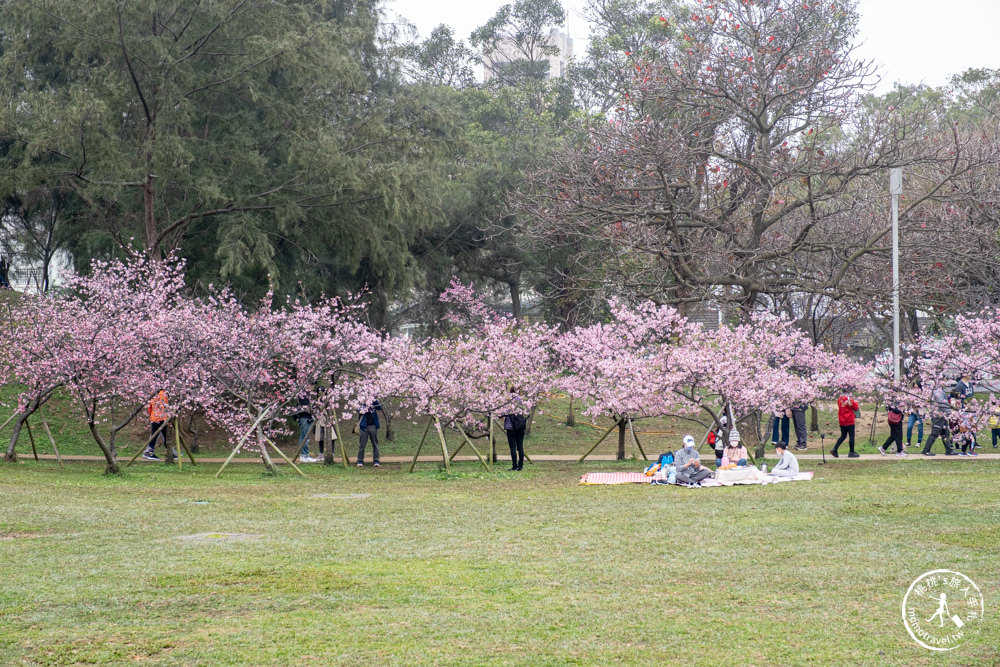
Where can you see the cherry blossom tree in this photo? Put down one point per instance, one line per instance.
(628, 367)
(489, 365)
(107, 338)
(650, 361)
(257, 364)
(33, 329)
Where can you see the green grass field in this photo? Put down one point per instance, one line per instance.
(476, 568)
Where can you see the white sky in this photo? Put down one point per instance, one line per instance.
(912, 41)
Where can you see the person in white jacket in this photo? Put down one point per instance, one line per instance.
(788, 465)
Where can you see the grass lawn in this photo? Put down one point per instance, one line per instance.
(479, 568)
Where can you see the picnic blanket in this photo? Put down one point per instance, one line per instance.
(603, 478)
(615, 478)
(766, 479)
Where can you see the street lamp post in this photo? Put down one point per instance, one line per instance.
(895, 189)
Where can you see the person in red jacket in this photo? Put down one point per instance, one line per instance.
(846, 408)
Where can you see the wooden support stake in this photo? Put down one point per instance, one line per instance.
(282, 455)
(422, 439)
(177, 444)
(239, 444)
(444, 444)
(52, 440)
(231, 455)
(9, 420)
(460, 445)
(462, 431)
(343, 448)
(493, 442)
(34, 452)
(636, 442)
(187, 450)
(606, 434)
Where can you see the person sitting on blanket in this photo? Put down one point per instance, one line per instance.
(736, 453)
(787, 465)
(690, 471)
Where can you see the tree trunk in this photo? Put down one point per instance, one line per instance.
(531, 418)
(193, 430)
(10, 456)
(814, 418)
(570, 418)
(515, 299)
(109, 454)
(268, 463)
(621, 439)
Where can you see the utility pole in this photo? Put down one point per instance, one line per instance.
(895, 189)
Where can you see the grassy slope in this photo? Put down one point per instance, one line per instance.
(485, 569)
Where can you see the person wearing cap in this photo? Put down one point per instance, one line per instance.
(690, 471)
(735, 452)
(788, 465)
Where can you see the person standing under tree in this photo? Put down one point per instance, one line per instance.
(846, 414)
(799, 420)
(514, 424)
(368, 427)
(157, 417)
(5, 273)
(305, 419)
(779, 430)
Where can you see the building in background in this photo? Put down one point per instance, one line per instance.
(509, 54)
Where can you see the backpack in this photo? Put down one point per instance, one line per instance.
(666, 459)
(894, 417)
(518, 422)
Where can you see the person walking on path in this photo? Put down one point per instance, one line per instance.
(514, 425)
(939, 423)
(157, 416)
(368, 427)
(915, 418)
(799, 420)
(306, 421)
(894, 417)
(847, 409)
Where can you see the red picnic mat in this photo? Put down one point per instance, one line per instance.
(615, 478)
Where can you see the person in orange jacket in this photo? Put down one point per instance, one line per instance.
(157, 415)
